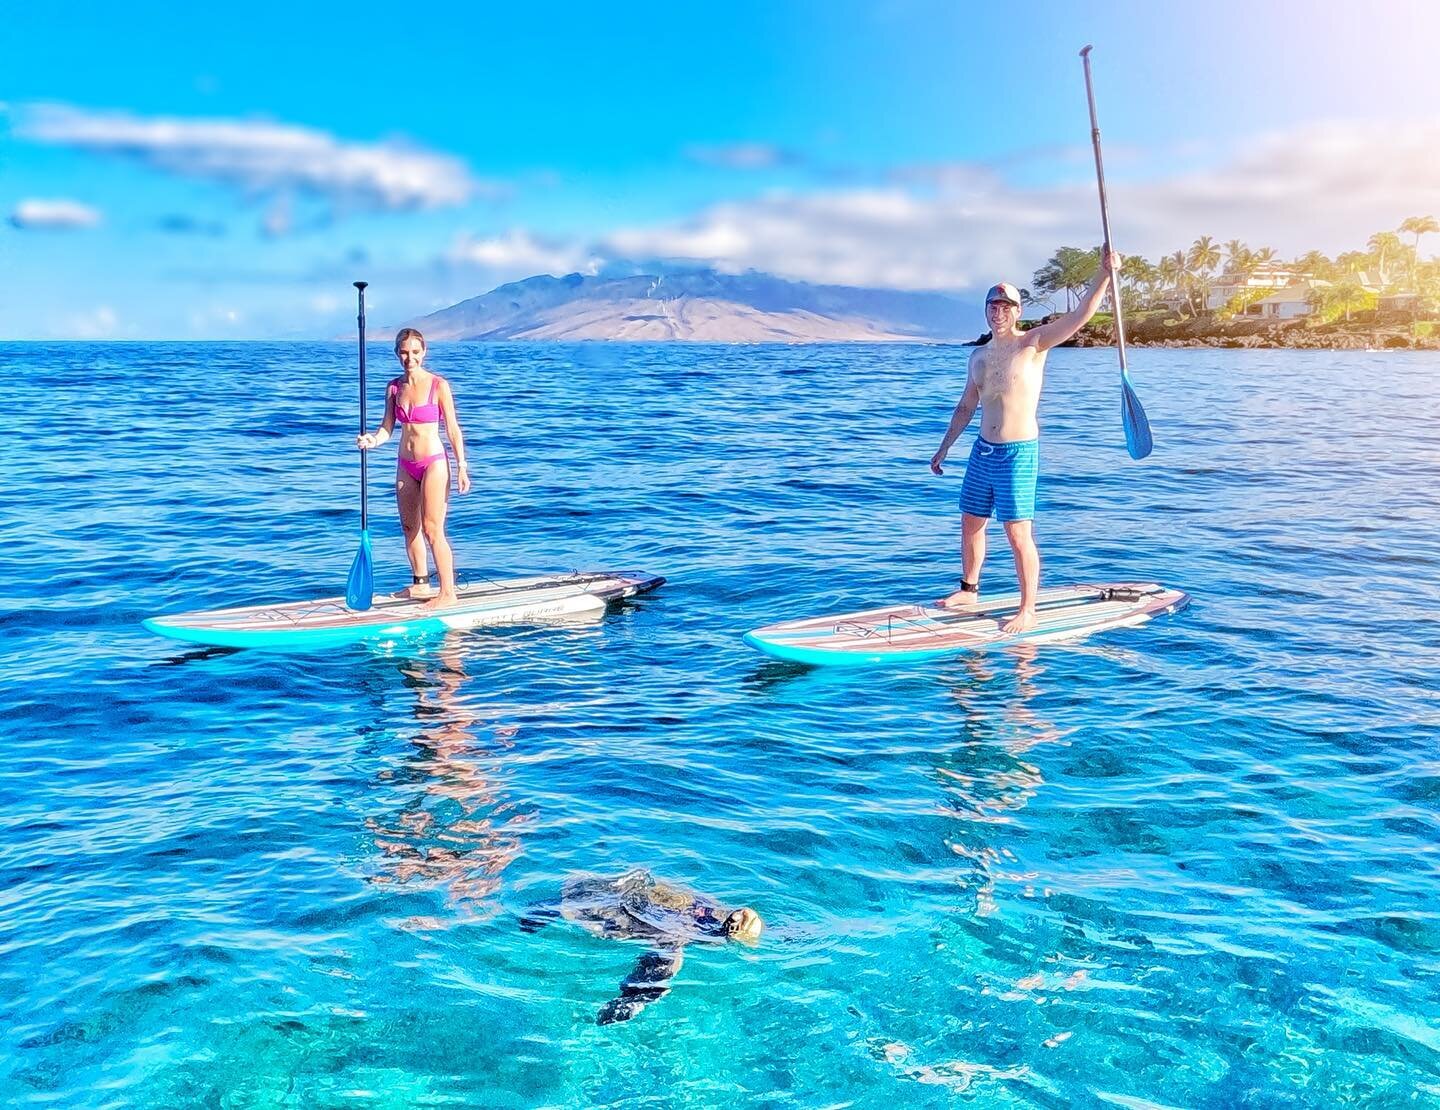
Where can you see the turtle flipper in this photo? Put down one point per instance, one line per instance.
(647, 981)
(538, 916)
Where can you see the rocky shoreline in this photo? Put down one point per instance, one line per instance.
(1295, 334)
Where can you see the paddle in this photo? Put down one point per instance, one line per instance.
(1137, 428)
(361, 586)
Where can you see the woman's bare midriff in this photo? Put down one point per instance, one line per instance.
(420, 441)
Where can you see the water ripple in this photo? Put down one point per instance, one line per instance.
(1192, 864)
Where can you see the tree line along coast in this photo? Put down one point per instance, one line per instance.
(1230, 295)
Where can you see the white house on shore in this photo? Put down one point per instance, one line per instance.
(1286, 304)
(1290, 295)
(1286, 292)
(1267, 275)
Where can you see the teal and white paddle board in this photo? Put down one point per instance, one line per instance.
(915, 633)
(327, 622)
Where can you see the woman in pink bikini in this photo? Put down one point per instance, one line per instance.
(417, 400)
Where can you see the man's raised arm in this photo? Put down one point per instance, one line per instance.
(1057, 331)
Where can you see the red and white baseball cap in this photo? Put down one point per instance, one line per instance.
(1003, 292)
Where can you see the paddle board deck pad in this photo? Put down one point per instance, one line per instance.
(915, 633)
(329, 621)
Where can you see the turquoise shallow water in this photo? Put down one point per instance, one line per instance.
(1191, 864)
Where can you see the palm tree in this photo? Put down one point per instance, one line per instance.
(1239, 259)
(1184, 279)
(1384, 245)
(1046, 280)
(1138, 273)
(1028, 299)
(1352, 262)
(1345, 295)
(1427, 285)
(1070, 269)
(1418, 226)
(1239, 265)
(1171, 271)
(1204, 257)
(1314, 264)
(1080, 269)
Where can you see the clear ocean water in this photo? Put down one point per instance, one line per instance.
(1193, 864)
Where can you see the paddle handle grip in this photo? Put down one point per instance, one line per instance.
(1104, 209)
(364, 425)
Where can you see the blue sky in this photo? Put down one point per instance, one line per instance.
(227, 172)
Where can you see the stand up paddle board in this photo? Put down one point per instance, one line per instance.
(914, 633)
(329, 621)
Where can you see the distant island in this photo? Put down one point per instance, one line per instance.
(699, 305)
(1383, 297)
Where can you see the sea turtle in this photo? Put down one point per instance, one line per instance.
(637, 906)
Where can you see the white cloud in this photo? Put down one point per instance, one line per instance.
(879, 237)
(218, 320)
(1324, 186)
(53, 215)
(99, 323)
(518, 253)
(960, 226)
(261, 156)
(741, 156)
(963, 226)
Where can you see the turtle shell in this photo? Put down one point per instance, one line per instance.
(636, 905)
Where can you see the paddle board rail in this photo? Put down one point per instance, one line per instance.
(916, 633)
(329, 621)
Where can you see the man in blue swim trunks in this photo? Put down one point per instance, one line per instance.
(1004, 383)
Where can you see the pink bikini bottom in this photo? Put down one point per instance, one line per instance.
(416, 467)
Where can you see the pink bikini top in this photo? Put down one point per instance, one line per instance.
(428, 413)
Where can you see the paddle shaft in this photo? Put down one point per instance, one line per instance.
(364, 455)
(1104, 210)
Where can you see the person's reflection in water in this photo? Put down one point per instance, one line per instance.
(459, 832)
(985, 779)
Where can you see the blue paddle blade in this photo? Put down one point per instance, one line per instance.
(361, 587)
(1137, 428)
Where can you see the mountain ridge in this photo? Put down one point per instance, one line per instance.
(662, 304)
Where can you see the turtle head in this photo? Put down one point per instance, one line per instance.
(744, 924)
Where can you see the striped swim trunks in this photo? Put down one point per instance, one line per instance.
(1000, 479)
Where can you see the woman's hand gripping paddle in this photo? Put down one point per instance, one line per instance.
(1137, 428)
(361, 587)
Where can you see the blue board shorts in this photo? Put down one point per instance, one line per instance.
(1000, 479)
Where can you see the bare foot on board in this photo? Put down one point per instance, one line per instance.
(442, 601)
(1022, 621)
(960, 599)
